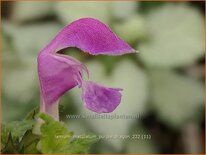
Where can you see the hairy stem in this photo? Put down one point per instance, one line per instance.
(50, 109)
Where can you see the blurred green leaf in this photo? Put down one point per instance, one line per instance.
(176, 36)
(177, 99)
(121, 10)
(140, 147)
(27, 11)
(132, 30)
(140, 142)
(148, 6)
(10, 55)
(28, 40)
(23, 90)
(70, 11)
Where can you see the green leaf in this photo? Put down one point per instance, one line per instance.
(10, 146)
(18, 128)
(31, 115)
(17, 136)
(29, 142)
(55, 136)
(82, 145)
(4, 135)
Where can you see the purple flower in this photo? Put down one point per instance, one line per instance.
(59, 73)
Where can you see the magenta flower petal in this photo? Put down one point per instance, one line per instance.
(57, 74)
(100, 99)
(92, 36)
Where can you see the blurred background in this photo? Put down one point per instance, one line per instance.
(163, 83)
